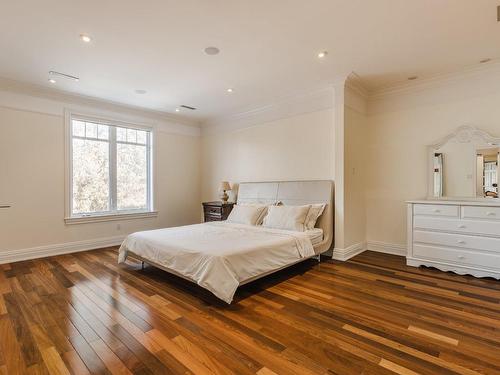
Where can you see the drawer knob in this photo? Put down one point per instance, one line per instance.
(461, 226)
(461, 257)
(462, 242)
(490, 214)
(436, 210)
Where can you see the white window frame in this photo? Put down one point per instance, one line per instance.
(71, 218)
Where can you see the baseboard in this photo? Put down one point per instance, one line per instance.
(58, 249)
(348, 252)
(388, 248)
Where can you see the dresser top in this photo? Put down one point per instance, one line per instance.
(459, 202)
(218, 203)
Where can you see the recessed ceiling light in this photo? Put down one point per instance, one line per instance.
(177, 110)
(485, 60)
(85, 38)
(229, 90)
(140, 92)
(51, 80)
(212, 51)
(322, 54)
(412, 78)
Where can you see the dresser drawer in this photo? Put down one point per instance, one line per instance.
(457, 256)
(213, 210)
(436, 210)
(212, 218)
(478, 227)
(478, 212)
(457, 240)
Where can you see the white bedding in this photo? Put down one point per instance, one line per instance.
(218, 255)
(315, 235)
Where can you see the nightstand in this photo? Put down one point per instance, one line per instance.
(216, 211)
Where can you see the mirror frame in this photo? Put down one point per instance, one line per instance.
(464, 134)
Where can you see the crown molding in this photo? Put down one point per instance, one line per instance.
(35, 98)
(356, 84)
(434, 81)
(305, 102)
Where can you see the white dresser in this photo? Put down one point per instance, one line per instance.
(458, 236)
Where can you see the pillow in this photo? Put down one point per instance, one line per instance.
(264, 211)
(314, 213)
(286, 217)
(249, 215)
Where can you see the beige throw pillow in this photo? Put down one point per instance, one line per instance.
(286, 217)
(249, 215)
(314, 213)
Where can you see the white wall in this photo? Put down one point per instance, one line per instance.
(295, 148)
(355, 177)
(401, 125)
(32, 180)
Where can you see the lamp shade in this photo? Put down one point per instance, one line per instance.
(224, 185)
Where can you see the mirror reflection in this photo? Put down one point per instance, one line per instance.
(465, 165)
(487, 172)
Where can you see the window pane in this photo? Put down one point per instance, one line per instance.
(90, 176)
(90, 130)
(78, 128)
(121, 134)
(131, 135)
(103, 132)
(141, 137)
(132, 177)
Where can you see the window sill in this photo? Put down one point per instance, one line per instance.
(110, 217)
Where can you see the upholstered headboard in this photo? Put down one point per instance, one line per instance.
(294, 193)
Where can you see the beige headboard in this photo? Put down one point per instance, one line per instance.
(294, 193)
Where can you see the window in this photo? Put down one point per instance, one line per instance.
(490, 176)
(110, 169)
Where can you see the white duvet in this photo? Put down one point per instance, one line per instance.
(219, 256)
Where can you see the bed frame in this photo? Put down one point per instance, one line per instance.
(294, 193)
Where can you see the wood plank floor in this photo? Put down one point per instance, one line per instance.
(82, 313)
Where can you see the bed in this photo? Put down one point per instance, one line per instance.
(221, 256)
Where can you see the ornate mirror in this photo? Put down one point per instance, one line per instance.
(465, 164)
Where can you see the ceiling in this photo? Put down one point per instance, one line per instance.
(268, 48)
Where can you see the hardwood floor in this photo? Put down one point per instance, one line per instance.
(82, 313)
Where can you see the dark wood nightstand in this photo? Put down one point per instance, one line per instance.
(216, 211)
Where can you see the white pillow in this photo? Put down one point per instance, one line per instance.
(286, 217)
(262, 215)
(249, 215)
(314, 213)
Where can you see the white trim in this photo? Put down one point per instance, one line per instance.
(292, 105)
(110, 217)
(435, 80)
(69, 114)
(446, 267)
(349, 252)
(38, 99)
(58, 249)
(387, 248)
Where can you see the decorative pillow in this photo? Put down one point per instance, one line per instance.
(286, 217)
(249, 215)
(264, 211)
(314, 213)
